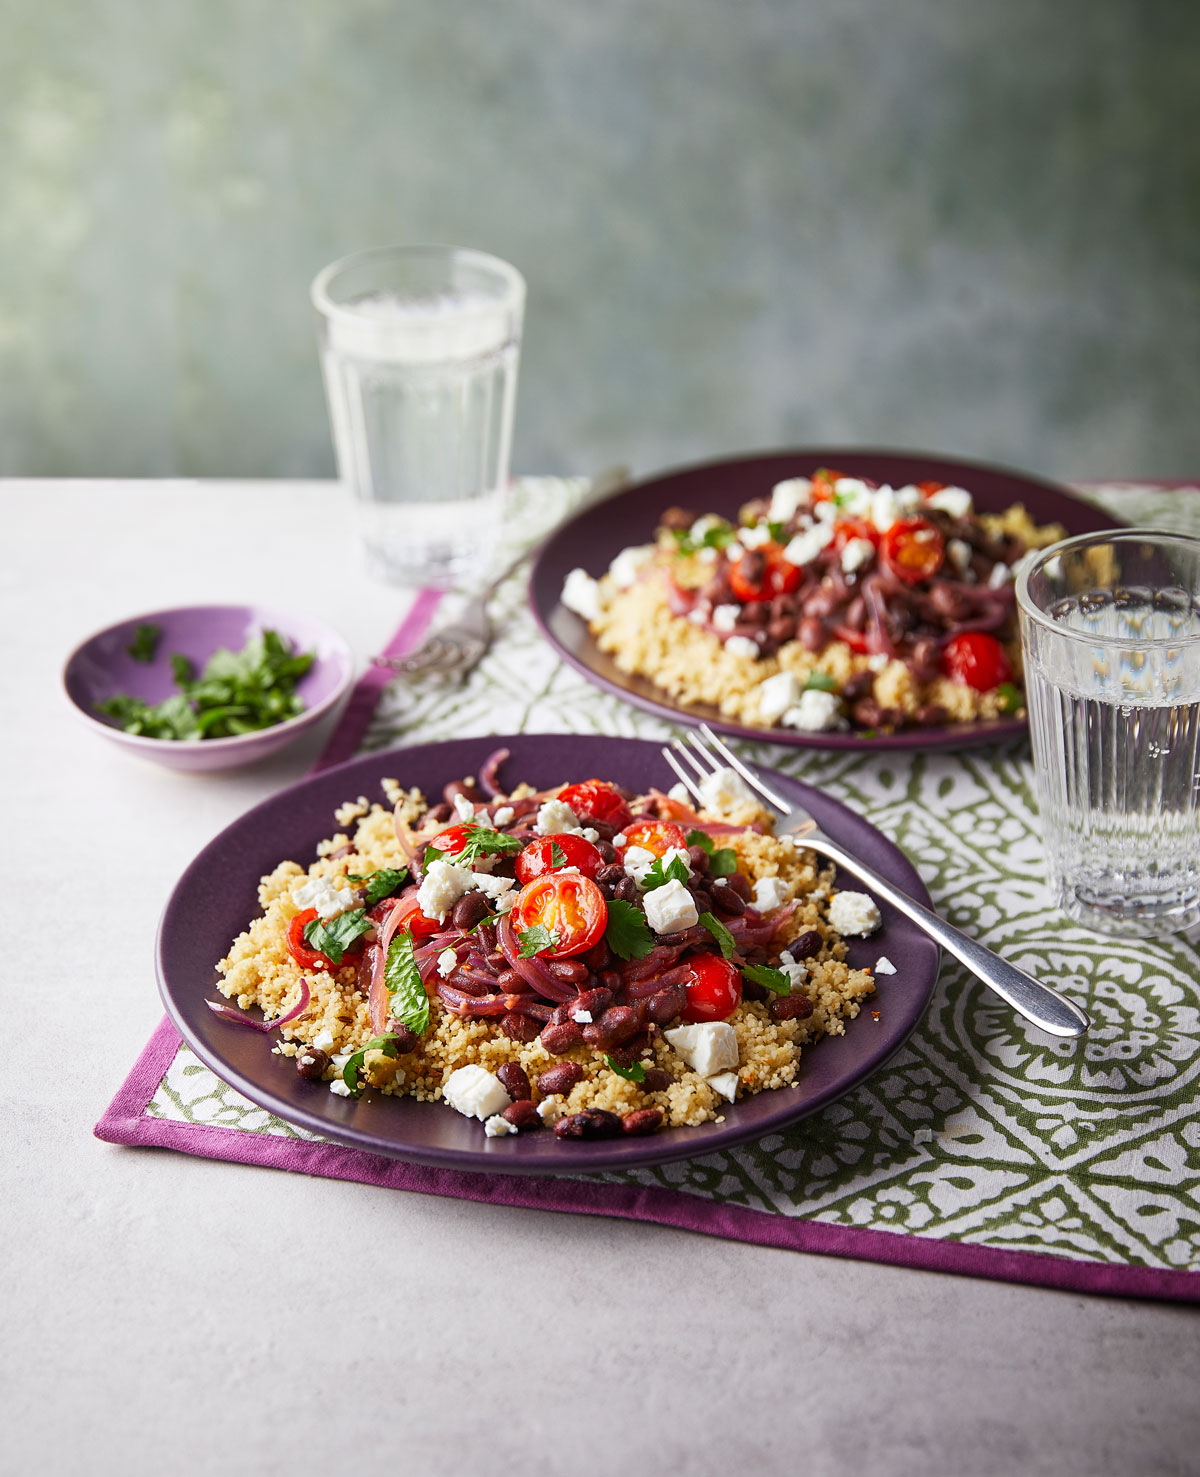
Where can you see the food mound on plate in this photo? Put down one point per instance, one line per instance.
(580, 958)
(834, 602)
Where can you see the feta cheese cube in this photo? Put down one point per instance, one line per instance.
(726, 1083)
(725, 617)
(707, 1047)
(441, 888)
(676, 854)
(788, 497)
(626, 567)
(447, 963)
(503, 817)
(884, 965)
(742, 646)
(909, 498)
(956, 501)
(555, 818)
(322, 894)
(854, 913)
(856, 553)
(671, 909)
(776, 695)
(723, 790)
(853, 496)
(771, 893)
(755, 537)
(805, 547)
(497, 1126)
(582, 594)
(475, 1092)
(817, 711)
(323, 1041)
(463, 808)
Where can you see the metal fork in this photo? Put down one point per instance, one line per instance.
(456, 648)
(1038, 1003)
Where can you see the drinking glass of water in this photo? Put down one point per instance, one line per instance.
(419, 350)
(1110, 629)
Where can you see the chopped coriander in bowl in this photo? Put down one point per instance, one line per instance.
(208, 687)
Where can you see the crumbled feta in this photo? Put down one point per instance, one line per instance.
(677, 854)
(726, 1083)
(320, 893)
(697, 616)
(953, 500)
(502, 891)
(817, 711)
(825, 512)
(503, 817)
(787, 498)
(554, 818)
(581, 1017)
(725, 617)
(443, 885)
(853, 496)
(671, 909)
(795, 970)
(475, 1092)
(703, 525)
(339, 1088)
(707, 1047)
(447, 963)
(854, 913)
(884, 965)
(678, 791)
(589, 833)
(582, 594)
(463, 808)
(755, 537)
(878, 661)
(323, 1041)
(497, 1126)
(1000, 575)
(551, 1109)
(805, 547)
(723, 789)
(908, 498)
(771, 893)
(885, 510)
(625, 568)
(707, 554)
(776, 695)
(637, 861)
(742, 646)
(958, 551)
(856, 553)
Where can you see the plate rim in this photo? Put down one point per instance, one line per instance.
(950, 736)
(655, 1149)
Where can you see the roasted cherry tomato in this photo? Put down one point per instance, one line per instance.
(927, 489)
(452, 840)
(303, 952)
(569, 905)
(914, 550)
(714, 988)
(573, 851)
(855, 640)
(778, 576)
(655, 836)
(411, 919)
(846, 529)
(823, 480)
(593, 800)
(977, 660)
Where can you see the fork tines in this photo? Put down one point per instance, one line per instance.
(725, 757)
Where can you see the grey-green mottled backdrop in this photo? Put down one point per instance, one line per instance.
(971, 226)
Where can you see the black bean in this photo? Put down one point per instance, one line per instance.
(405, 1037)
(595, 1123)
(741, 885)
(626, 890)
(470, 909)
(811, 633)
(311, 1063)
(728, 902)
(808, 944)
(611, 874)
(790, 1008)
(655, 1080)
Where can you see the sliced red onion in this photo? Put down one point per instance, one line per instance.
(240, 1018)
(471, 1005)
(412, 852)
(488, 770)
(643, 989)
(533, 970)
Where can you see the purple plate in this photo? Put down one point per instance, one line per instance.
(216, 898)
(101, 667)
(591, 540)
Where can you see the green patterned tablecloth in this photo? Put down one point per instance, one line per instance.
(980, 1130)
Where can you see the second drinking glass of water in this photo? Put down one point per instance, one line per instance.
(1110, 627)
(419, 350)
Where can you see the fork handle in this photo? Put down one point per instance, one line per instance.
(1038, 1003)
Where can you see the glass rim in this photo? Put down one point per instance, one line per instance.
(328, 308)
(1036, 558)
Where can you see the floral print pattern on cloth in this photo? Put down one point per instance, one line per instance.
(981, 1130)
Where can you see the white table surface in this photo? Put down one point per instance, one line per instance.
(167, 1314)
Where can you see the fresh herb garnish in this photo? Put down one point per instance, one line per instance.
(333, 938)
(238, 692)
(407, 998)
(479, 841)
(722, 860)
(656, 875)
(725, 940)
(145, 642)
(354, 1065)
(1010, 697)
(719, 536)
(381, 883)
(558, 857)
(536, 940)
(627, 933)
(634, 1073)
(778, 532)
(820, 682)
(488, 918)
(770, 979)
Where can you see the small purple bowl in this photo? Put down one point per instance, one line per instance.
(101, 668)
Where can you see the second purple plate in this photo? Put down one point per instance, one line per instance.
(595, 536)
(216, 898)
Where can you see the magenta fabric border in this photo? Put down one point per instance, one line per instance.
(126, 1122)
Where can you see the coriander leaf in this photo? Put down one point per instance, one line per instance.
(536, 940)
(381, 883)
(770, 979)
(627, 933)
(778, 532)
(843, 499)
(145, 642)
(350, 1071)
(432, 854)
(558, 857)
(407, 997)
(483, 841)
(1010, 697)
(683, 540)
(723, 862)
(634, 1073)
(701, 839)
(489, 918)
(719, 537)
(181, 670)
(725, 940)
(333, 938)
(820, 682)
(657, 875)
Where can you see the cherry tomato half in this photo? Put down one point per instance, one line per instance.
(452, 840)
(778, 576)
(824, 479)
(302, 951)
(855, 640)
(411, 919)
(593, 800)
(569, 905)
(927, 489)
(714, 989)
(573, 851)
(914, 550)
(655, 836)
(977, 660)
(846, 529)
